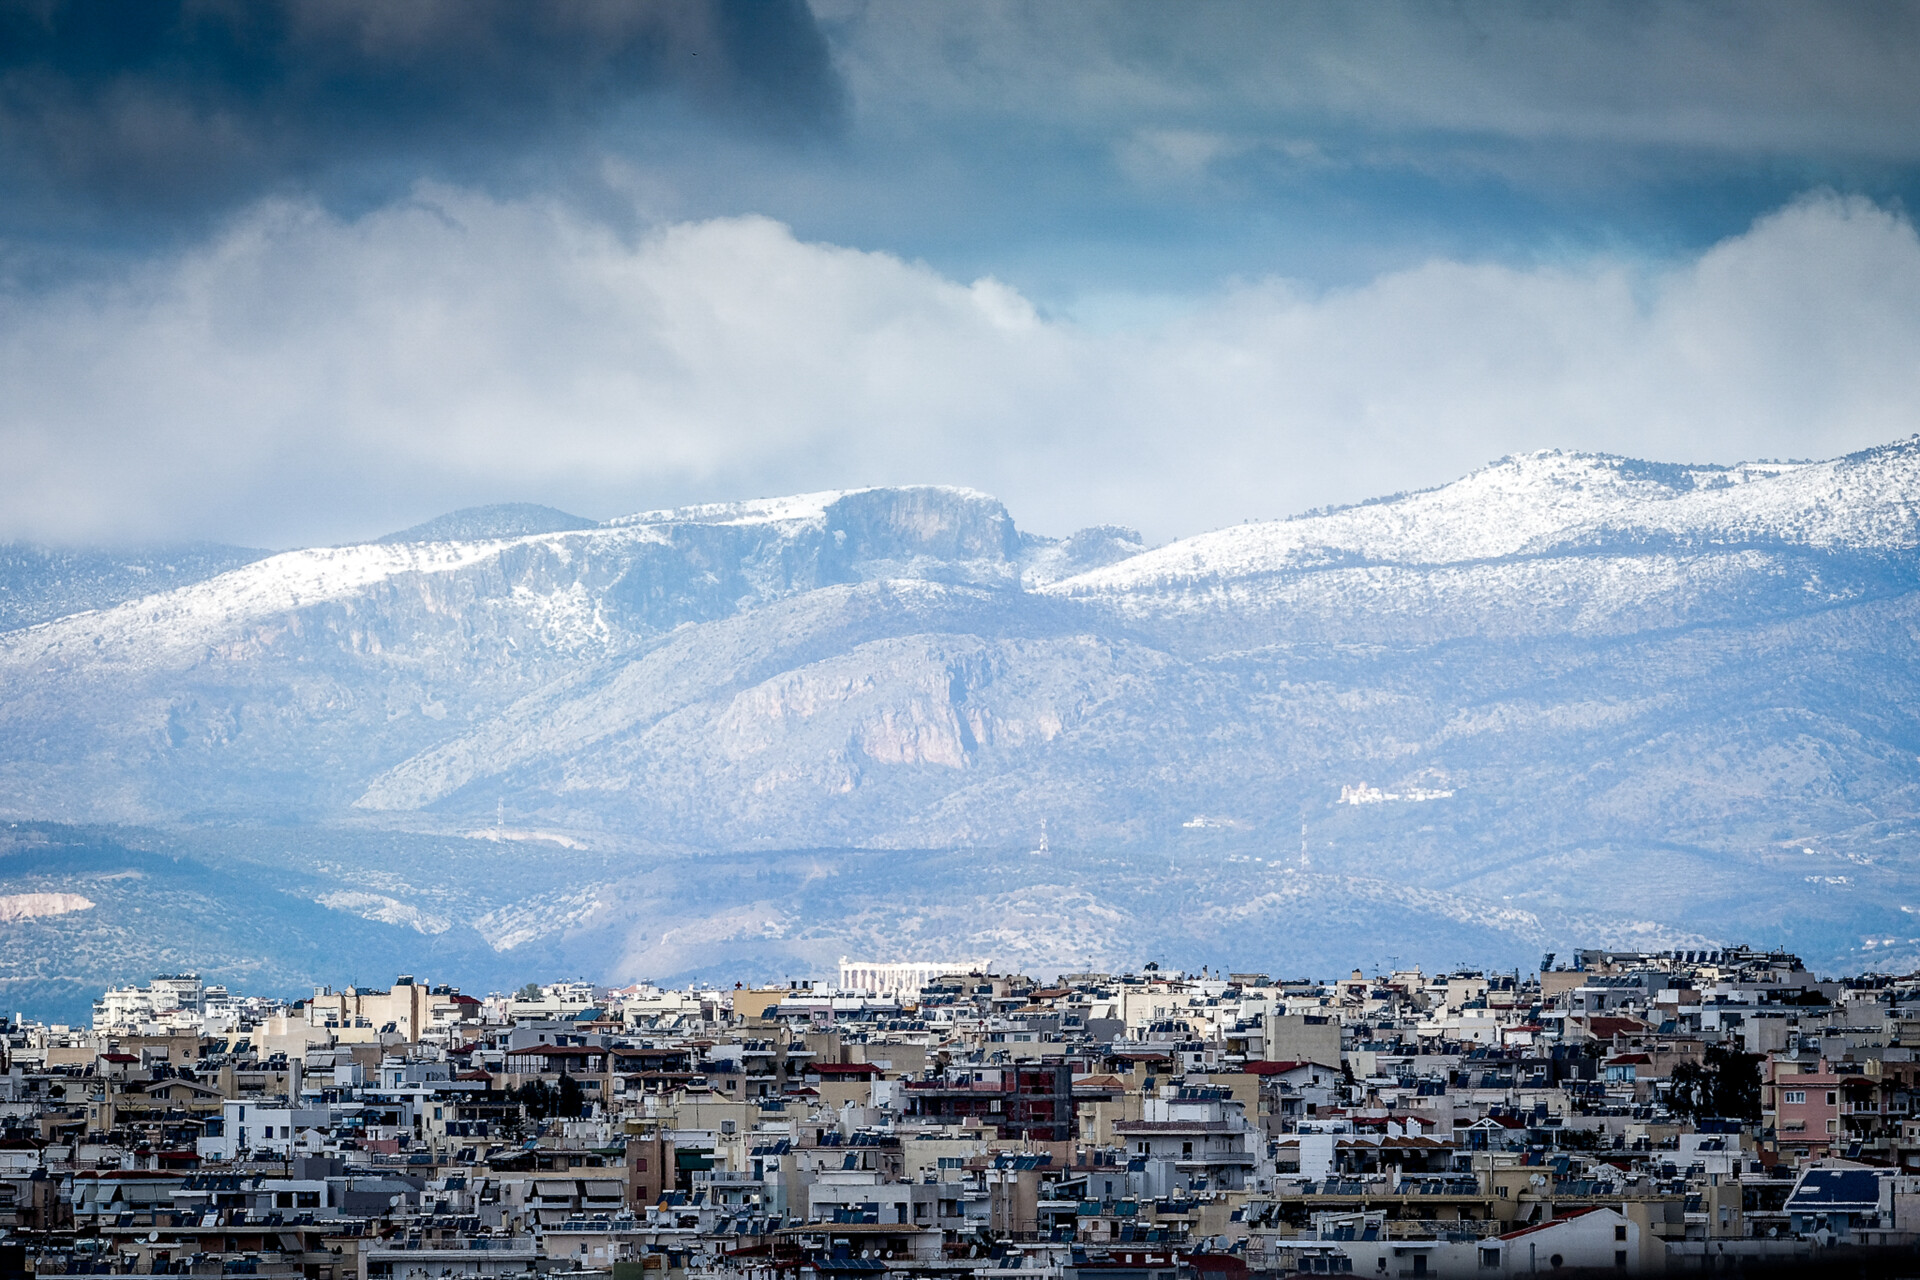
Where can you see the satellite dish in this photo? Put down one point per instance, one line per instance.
(152, 1236)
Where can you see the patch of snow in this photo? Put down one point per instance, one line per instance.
(1364, 794)
(799, 506)
(381, 909)
(794, 507)
(536, 917)
(15, 907)
(501, 835)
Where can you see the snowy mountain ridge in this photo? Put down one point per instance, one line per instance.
(205, 612)
(214, 611)
(807, 507)
(1589, 671)
(1558, 502)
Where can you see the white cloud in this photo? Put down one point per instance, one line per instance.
(307, 377)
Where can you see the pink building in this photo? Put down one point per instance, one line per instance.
(1804, 1109)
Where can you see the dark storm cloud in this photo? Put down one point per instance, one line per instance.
(182, 106)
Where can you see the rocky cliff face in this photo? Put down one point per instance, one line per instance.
(1559, 676)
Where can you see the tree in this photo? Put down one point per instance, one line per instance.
(536, 1098)
(1724, 1083)
(570, 1102)
(529, 992)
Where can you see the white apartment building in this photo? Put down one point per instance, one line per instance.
(259, 1127)
(904, 978)
(135, 1006)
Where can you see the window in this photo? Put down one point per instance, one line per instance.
(1620, 1259)
(1832, 1097)
(1796, 1097)
(1833, 1126)
(1620, 1232)
(1489, 1257)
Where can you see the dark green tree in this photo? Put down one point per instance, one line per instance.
(536, 1098)
(1724, 1083)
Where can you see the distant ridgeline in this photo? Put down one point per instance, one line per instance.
(1567, 697)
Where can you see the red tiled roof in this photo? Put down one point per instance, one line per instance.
(1615, 1026)
(1569, 1216)
(1279, 1068)
(555, 1051)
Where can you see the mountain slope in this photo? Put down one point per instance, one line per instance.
(38, 584)
(1468, 716)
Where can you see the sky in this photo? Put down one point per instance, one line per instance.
(283, 272)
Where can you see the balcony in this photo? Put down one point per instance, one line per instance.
(1214, 1160)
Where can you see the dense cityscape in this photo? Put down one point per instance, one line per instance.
(1636, 1112)
(647, 639)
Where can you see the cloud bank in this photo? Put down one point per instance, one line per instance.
(309, 377)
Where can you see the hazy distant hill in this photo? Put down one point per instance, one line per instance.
(504, 520)
(1578, 698)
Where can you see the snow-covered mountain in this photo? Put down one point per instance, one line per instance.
(1558, 676)
(38, 584)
